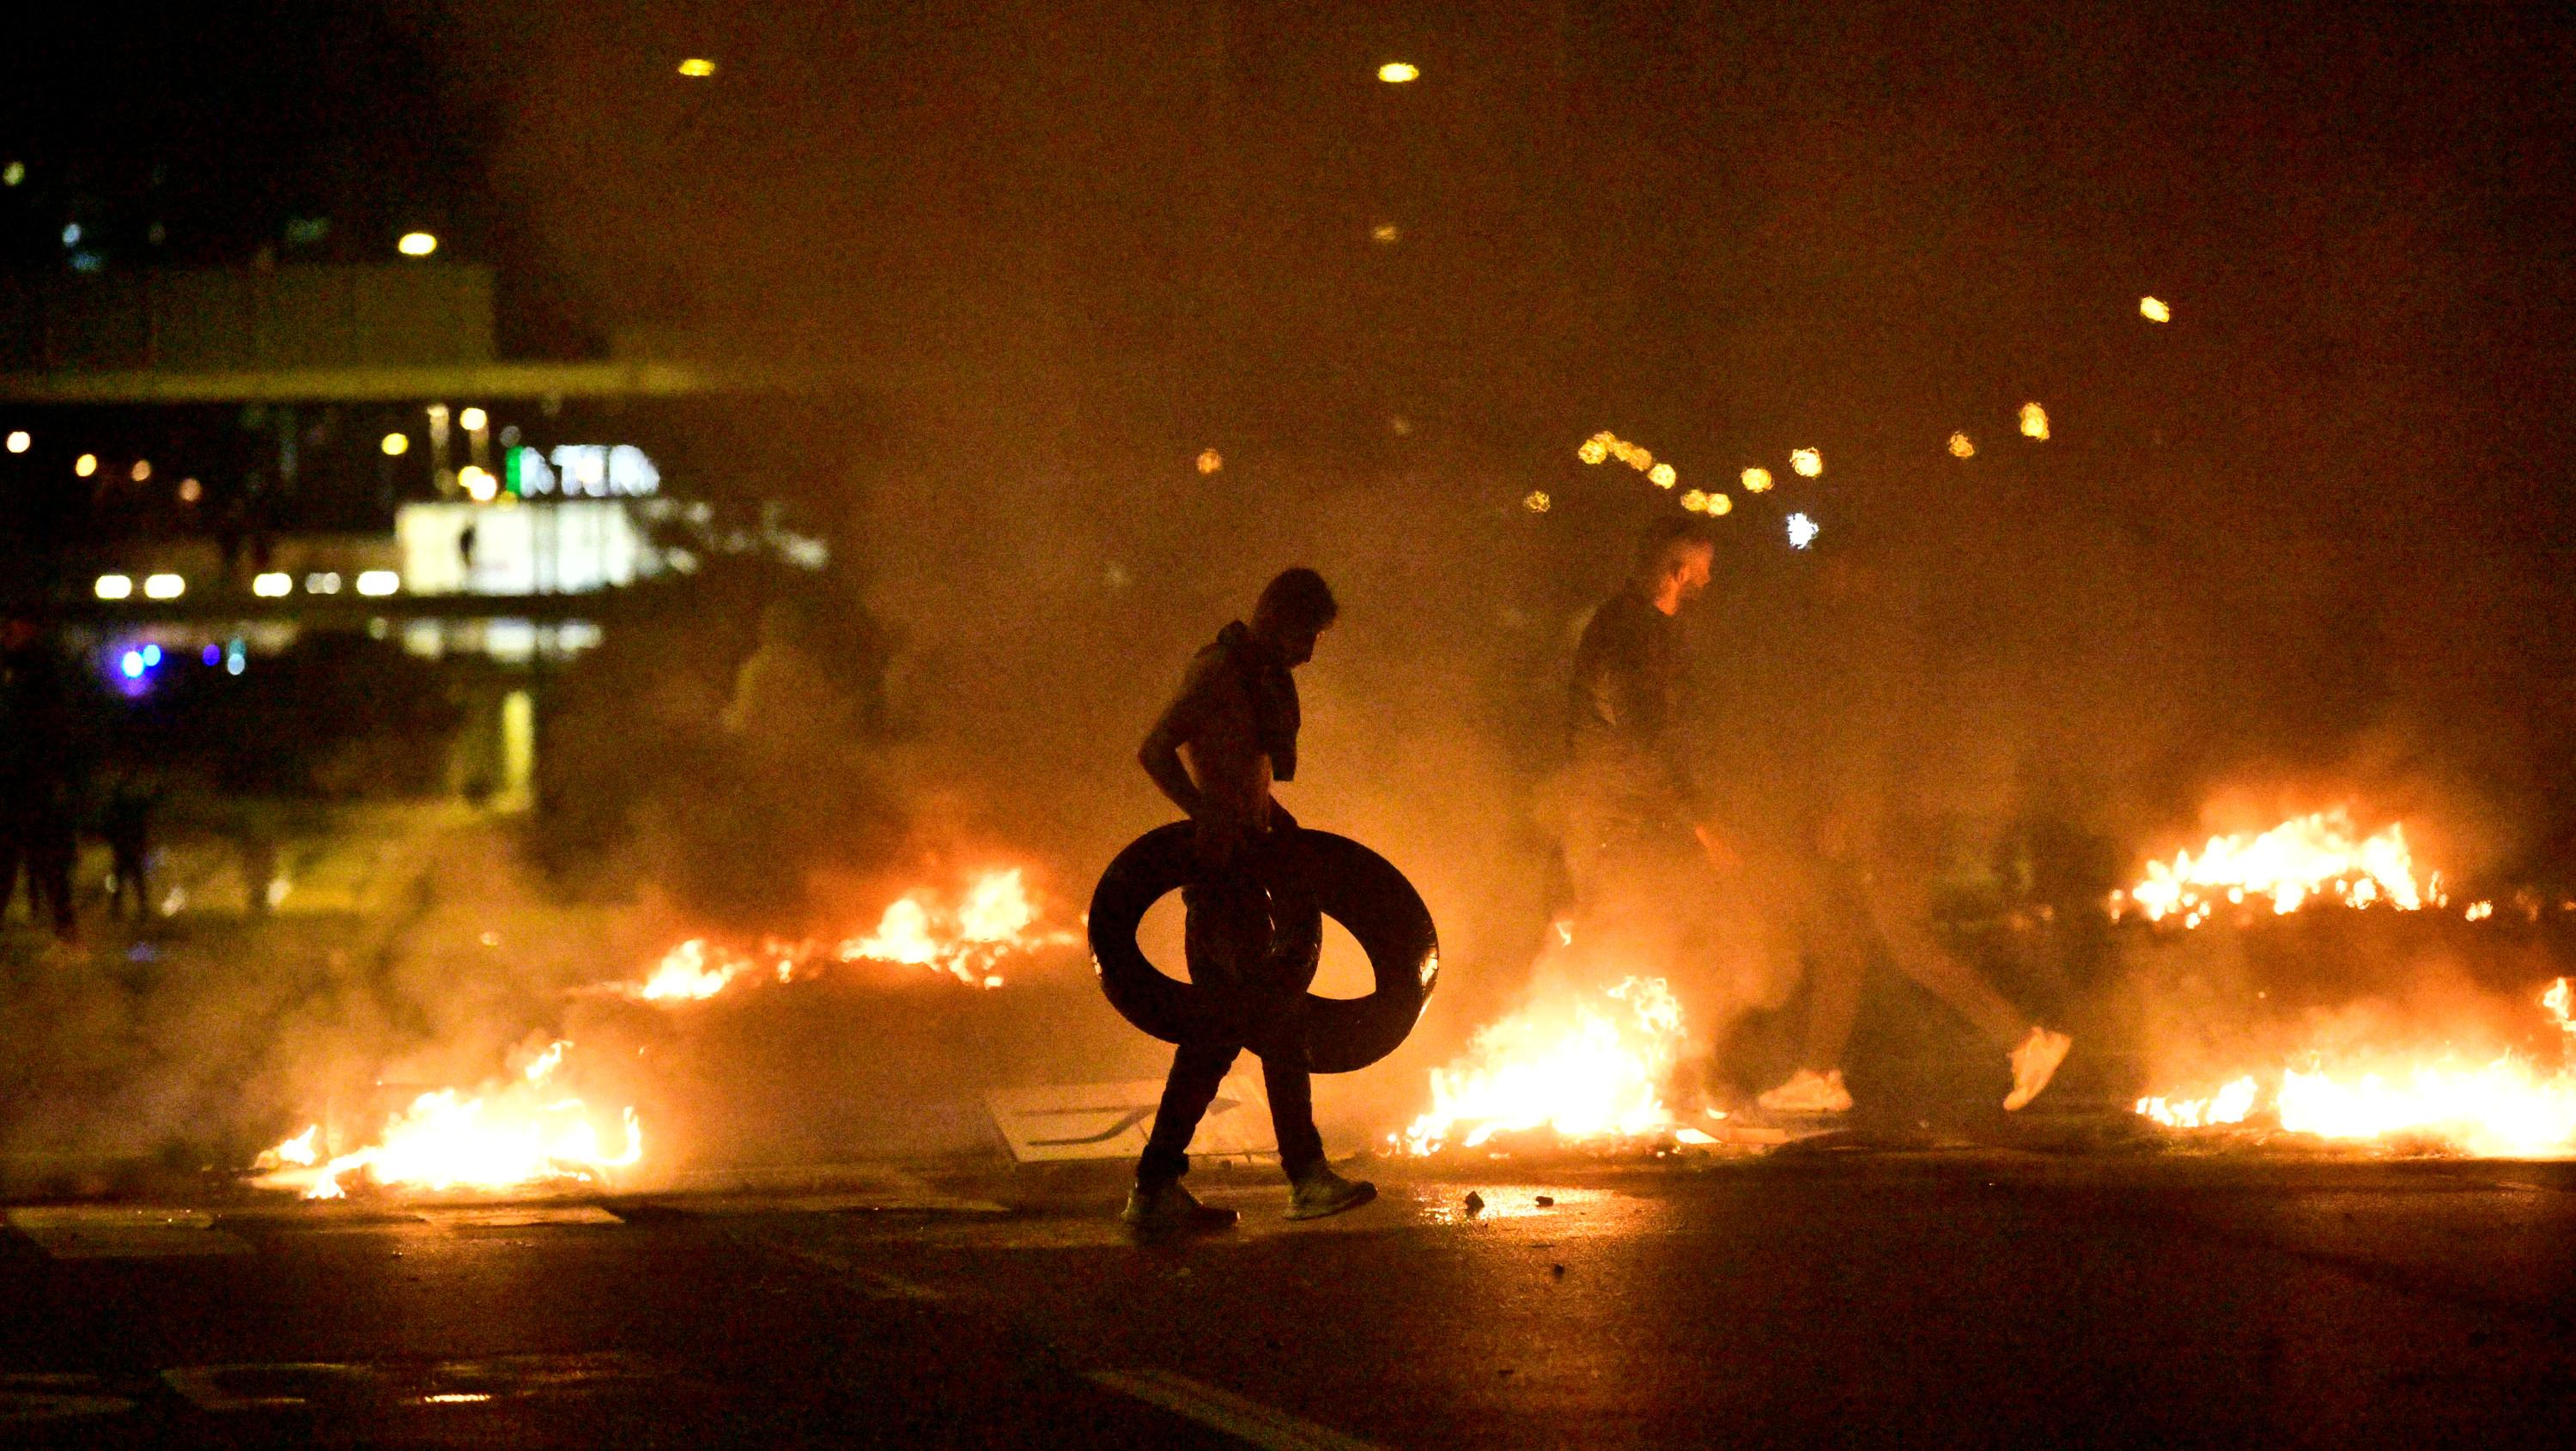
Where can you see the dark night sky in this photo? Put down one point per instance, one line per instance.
(1113, 232)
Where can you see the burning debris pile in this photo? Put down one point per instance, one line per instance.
(993, 920)
(2507, 1106)
(524, 1132)
(1589, 1067)
(2319, 857)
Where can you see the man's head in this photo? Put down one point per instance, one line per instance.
(1673, 560)
(1294, 608)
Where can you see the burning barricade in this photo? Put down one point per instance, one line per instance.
(1588, 1067)
(968, 937)
(524, 1132)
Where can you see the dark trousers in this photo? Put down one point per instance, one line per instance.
(1228, 941)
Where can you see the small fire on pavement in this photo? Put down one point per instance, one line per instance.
(523, 1132)
(1589, 1066)
(2505, 1107)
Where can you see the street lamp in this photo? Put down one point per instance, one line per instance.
(416, 244)
(1396, 72)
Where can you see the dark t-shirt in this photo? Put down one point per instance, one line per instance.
(1625, 707)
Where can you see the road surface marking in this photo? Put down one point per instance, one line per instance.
(874, 1284)
(119, 1232)
(1245, 1420)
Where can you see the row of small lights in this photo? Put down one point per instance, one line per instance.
(272, 585)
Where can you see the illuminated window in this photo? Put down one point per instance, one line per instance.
(164, 586)
(325, 583)
(273, 585)
(378, 582)
(416, 244)
(1396, 73)
(697, 68)
(115, 587)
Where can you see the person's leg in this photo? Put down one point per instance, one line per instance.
(1197, 1071)
(1287, 1077)
(1902, 916)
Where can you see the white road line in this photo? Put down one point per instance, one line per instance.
(120, 1232)
(1245, 1420)
(874, 1284)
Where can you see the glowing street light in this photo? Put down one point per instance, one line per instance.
(1802, 531)
(1757, 481)
(1962, 446)
(2153, 309)
(1807, 463)
(1396, 73)
(2034, 421)
(1538, 502)
(164, 586)
(697, 68)
(85, 465)
(275, 585)
(396, 444)
(416, 244)
(472, 420)
(479, 484)
(114, 587)
(142, 470)
(19, 441)
(1210, 461)
(325, 583)
(378, 582)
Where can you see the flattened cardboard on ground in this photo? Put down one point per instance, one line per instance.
(1110, 1120)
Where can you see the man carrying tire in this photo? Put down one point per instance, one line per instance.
(1228, 734)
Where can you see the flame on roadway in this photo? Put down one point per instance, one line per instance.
(1588, 1066)
(968, 939)
(2310, 858)
(2505, 1108)
(520, 1133)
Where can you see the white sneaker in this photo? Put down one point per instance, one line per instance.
(2034, 1063)
(1808, 1091)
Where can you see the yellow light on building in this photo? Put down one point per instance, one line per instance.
(416, 244)
(2034, 421)
(114, 587)
(273, 585)
(1396, 73)
(1594, 450)
(1694, 500)
(1807, 463)
(190, 491)
(697, 68)
(1386, 234)
(1210, 461)
(1757, 481)
(472, 420)
(378, 582)
(2153, 309)
(19, 441)
(1962, 446)
(85, 465)
(1663, 476)
(1720, 504)
(1538, 502)
(142, 469)
(396, 444)
(164, 586)
(478, 483)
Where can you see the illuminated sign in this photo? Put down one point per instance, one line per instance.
(581, 471)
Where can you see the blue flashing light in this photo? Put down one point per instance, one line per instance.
(151, 657)
(131, 664)
(213, 655)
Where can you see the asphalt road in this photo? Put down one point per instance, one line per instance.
(1964, 1298)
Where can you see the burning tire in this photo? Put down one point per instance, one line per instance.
(1313, 874)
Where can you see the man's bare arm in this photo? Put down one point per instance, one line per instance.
(1161, 758)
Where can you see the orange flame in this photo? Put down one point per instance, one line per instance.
(2504, 1108)
(995, 919)
(2308, 858)
(521, 1133)
(1586, 1068)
